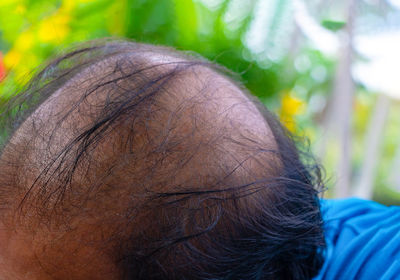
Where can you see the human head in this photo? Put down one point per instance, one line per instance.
(135, 161)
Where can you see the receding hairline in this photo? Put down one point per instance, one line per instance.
(163, 59)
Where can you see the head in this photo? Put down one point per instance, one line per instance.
(132, 161)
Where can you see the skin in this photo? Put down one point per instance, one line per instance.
(203, 109)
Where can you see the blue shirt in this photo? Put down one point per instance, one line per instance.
(363, 240)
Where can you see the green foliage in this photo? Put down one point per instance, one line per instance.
(38, 29)
(333, 25)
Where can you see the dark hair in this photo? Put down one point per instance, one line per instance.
(266, 228)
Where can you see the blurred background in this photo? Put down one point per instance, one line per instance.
(330, 69)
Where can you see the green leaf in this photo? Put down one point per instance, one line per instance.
(333, 25)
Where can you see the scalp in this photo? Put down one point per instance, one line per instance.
(155, 163)
(174, 126)
(169, 107)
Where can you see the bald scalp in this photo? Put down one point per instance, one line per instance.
(151, 163)
(171, 109)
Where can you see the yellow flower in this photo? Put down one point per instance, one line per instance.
(20, 9)
(291, 107)
(54, 28)
(12, 58)
(69, 5)
(24, 41)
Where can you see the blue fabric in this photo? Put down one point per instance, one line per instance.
(363, 240)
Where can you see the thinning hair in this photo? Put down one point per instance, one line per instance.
(175, 194)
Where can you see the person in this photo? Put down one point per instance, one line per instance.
(132, 161)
